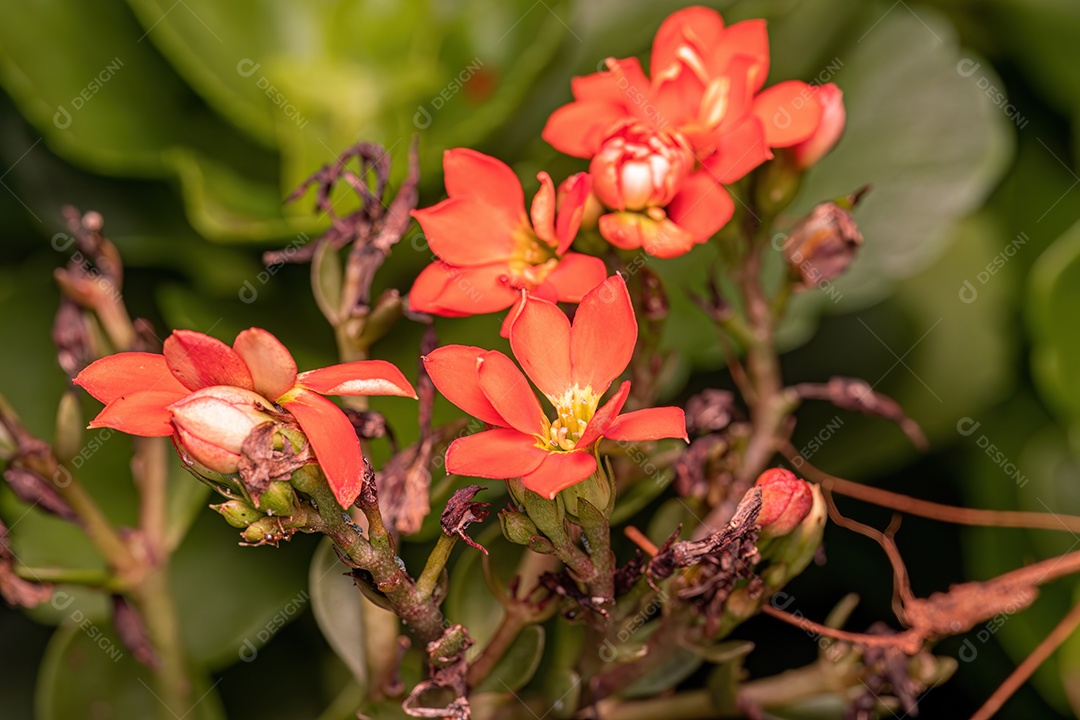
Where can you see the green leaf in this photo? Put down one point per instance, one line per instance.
(673, 670)
(339, 610)
(86, 670)
(517, 667)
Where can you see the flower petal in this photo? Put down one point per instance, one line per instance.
(738, 151)
(576, 275)
(540, 339)
(213, 457)
(509, 393)
(576, 190)
(429, 285)
(112, 377)
(579, 128)
(453, 370)
(605, 416)
(702, 207)
(468, 173)
(789, 112)
(542, 211)
(468, 290)
(559, 471)
(498, 454)
(603, 337)
(199, 361)
(272, 368)
(749, 38)
(334, 441)
(360, 377)
(649, 424)
(621, 80)
(699, 28)
(144, 414)
(468, 231)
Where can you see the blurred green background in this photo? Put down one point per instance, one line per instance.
(185, 122)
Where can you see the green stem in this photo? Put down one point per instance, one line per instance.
(429, 578)
(68, 576)
(157, 609)
(150, 468)
(104, 537)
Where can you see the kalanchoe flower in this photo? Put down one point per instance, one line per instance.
(490, 250)
(705, 95)
(833, 118)
(785, 501)
(209, 396)
(573, 365)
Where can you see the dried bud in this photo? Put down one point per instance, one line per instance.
(31, 488)
(785, 501)
(821, 247)
(833, 118)
(709, 411)
(212, 424)
(131, 630)
(461, 511)
(237, 513)
(517, 527)
(654, 300)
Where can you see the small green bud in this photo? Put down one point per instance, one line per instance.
(264, 530)
(598, 490)
(69, 428)
(238, 514)
(541, 545)
(308, 479)
(517, 527)
(279, 499)
(547, 514)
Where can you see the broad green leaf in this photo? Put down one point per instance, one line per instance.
(87, 672)
(517, 667)
(1054, 302)
(339, 609)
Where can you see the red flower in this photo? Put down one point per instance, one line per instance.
(705, 94)
(208, 396)
(573, 365)
(488, 249)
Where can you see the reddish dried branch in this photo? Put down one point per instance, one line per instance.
(907, 642)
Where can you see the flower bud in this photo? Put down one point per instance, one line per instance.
(833, 118)
(785, 501)
(547, 514)
(823, 244)
(517, 527)
(279, 499)
(308, 479)
(212, 424)
(654, 232)
(637, 168)
(238, 514)
(598, 490)
(69, 428)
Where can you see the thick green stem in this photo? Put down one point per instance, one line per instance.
(104, 537)
(150, 468)
(154, 600)
(429, 577)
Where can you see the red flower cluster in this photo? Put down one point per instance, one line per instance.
(209, 397)
(662, 149)
(573, 365)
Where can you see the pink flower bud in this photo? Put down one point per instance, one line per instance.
(833, 117)
(785, 501)
(637, 168)
(212, 424)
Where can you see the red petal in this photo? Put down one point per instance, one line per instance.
(749, 38)
(429, 285)
(576, 275)
(360, 377)
(605, 331)
(738, 151)
(510, 393)
(272, 368)
(604, 417)
(334, 441)
(210, 455)
(559, 471)
(621, 80)
(540, 339)
(699, 27)
(702, 206)
(678, 98)
(649, 424)
(141, 413)
(497, 454)
(789, 112)
(468, 231)
(112, 377)
(576, 190)
(468, 173)
(579, 128)
(453, 370)
(199, 361)
(542, 211)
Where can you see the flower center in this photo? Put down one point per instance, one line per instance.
(532, 260)
(574, 410)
